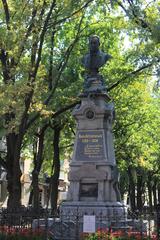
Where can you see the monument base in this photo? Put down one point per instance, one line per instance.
(107, 214)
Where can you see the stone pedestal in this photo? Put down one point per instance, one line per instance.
(93, 172)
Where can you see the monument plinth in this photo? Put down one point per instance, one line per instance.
(93, 172)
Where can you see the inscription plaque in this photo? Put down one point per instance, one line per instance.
(90, 146)
(89, 190)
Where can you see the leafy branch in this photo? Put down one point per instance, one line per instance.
(7, 14)
(74, 13)
(137, 71)
(137, 18)
(61, 68)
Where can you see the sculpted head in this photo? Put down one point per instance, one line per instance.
(94, 43)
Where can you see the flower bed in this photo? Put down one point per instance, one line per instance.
(118, 235)
(13, 233)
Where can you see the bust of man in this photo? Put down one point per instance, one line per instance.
(95, 59)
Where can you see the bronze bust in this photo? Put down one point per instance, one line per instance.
(95, 59)
(92, 61)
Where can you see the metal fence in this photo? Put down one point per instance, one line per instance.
(70, 227)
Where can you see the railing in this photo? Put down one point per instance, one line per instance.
(70, 227)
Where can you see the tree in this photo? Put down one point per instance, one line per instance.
(25, 28)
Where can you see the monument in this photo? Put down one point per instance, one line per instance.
(93, 172)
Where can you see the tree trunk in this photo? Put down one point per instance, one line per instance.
(55, 176)
(154, 189)
(13, 170)
(139, 192)
(149, 186)
(132, 194)
(158, 189)
(38, 160)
